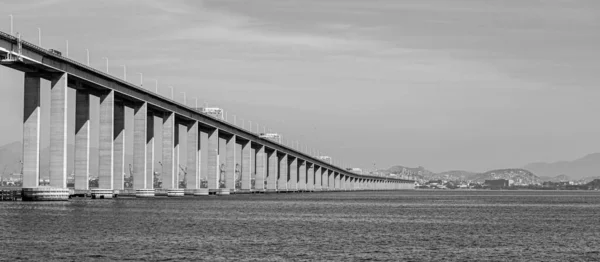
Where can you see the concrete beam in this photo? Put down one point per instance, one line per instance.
(31, 130)
(58, 131)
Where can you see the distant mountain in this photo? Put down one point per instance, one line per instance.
(559, 178)
(455, 175)
(588, 166)
(519, 176)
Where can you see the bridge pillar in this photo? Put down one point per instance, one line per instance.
(302, 175)
(283, 173)
(273, 167)
(58, 131)
(211, 150)
(331, 180)
(193, 146)
(337, 178)
(261, 168)
(140, 150)
(119, 147)
(317, 178)
(149, 150)
(292, 181)
(82, 140)
(247, 163)
(310, 176)
(322, 177)
(169, 134)
(106, 142)
(31, 130)
(231, 164)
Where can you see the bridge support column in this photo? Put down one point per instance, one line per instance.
(246, 166)
(82, 140)
(106, 144)
(211, 150)
(168, 152)
(149, 150)
(58, 131)
(302, 175)
(337, 181)
(231, 165)
(192, 177)
(261, 168)
(293, 174)
(324, 179)
(119, 147)
(283, 174)
(140, 132)
(31, 130)
(319, 178)
(310, 176)
(331, 180)
(273, 167)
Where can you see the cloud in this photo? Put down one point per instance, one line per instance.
(226, 27)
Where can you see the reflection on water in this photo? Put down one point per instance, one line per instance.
(418, 225)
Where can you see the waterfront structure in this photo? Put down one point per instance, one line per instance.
(272, 166)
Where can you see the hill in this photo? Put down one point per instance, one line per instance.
(519, 176)
(588, 166)
(559, 178)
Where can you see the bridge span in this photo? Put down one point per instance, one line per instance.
(265, 165)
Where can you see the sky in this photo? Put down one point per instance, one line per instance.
(449, 85)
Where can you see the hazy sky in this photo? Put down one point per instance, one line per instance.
(463, 84)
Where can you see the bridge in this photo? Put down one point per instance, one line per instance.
(265, 165)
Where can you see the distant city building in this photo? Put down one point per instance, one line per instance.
(497, 183)
(355, 170)
(271, 136)
(326, 159)
(212, 111)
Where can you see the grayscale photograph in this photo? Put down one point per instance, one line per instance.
(300, 130)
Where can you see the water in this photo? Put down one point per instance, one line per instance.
(397, 226)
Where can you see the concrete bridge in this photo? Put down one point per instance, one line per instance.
(272, 166)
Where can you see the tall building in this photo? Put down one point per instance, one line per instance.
(326, 159)
(355, 170)
(212, 111)
(271, 136)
